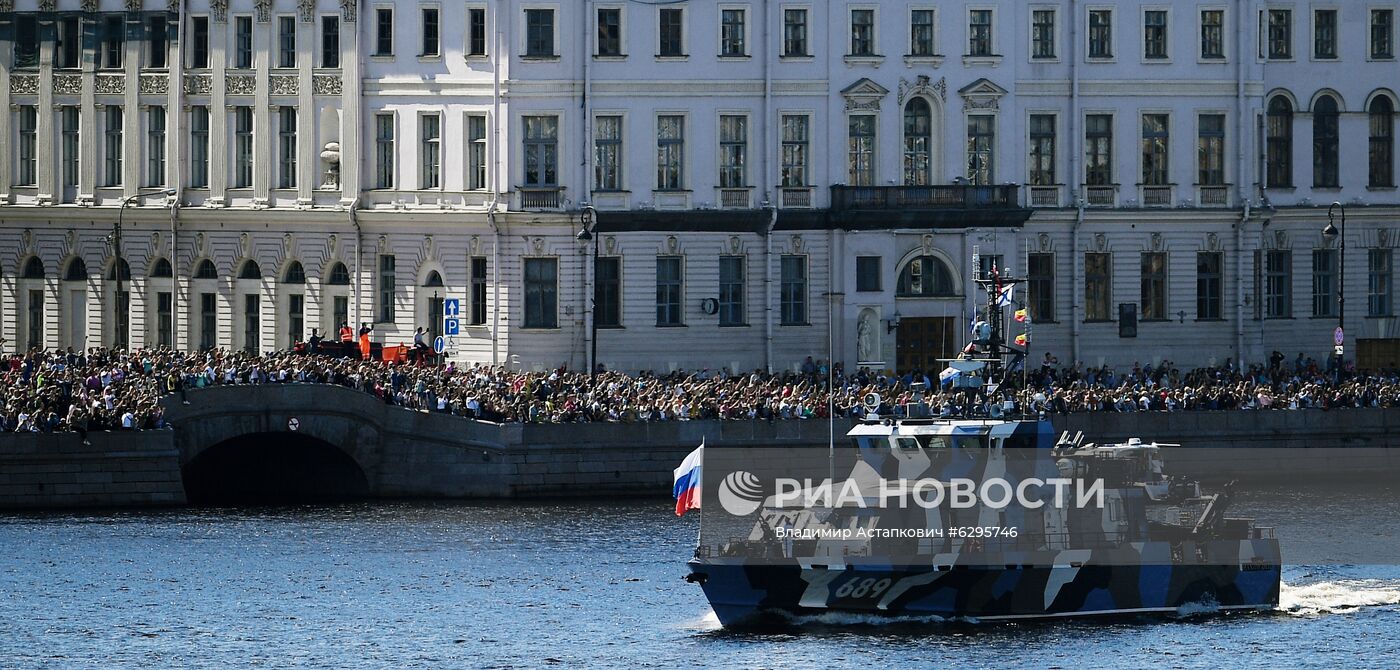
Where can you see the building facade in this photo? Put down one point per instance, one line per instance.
(764, 180)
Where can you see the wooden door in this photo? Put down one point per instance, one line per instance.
(922, 341)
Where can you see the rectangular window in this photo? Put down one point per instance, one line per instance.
(71, 144)
(1040, 285)
(1155, 155)
(478, 296)
(70, 43)
(1324, 282)
(1209, 287)
(607, 153)
(1154, 34)
(731, 39)
(669, 283)
(287, 147)
(243, 42)
(541, 151)
(430, 151)
(860, 153)
(242, 147)
(1378, 284)
(286, 41)
(979, 32)
(112, 154)
(383, 31)
(36, 318)
(981, 144)
(1382, 34)
(862, 32)
(1381, 143)
(607, 293)
(383, 150)
(431, 33)
(385, 313)
(164, 319)
(867, 273)
(252, 322)
(476, 152)
(1101, 33)
(1278, 284)
(476, 31)
(1042, 154)
(1098, 286)
(733, 151)
(155, 145)
(1325, 34)
(731, 291)
(794, 150)
(794, 290)
(208, 320)
(795, 32)
(1098, 135)
(921, 31)
(1043, 33)
(1280, 34)
(1154, 285)
(28, 126)
(199, 146)
(330, 41)
(296, 318)
(670, 152)
(199, 42)
(541, 293)
(1212, 34)
(113, 42)
(609, 31)
(1210, 170)
(26, 39)
(670, 32)
(158, 44)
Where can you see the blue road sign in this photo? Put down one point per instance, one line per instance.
(451, 326)
(451, 308)
(439, 344)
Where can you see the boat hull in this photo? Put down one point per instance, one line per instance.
(743, 592)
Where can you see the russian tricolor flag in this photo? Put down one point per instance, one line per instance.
(687, 480)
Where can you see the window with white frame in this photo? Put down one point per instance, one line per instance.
(918, 138)
(384, 151)
(732, 32)
(330, 41)
(155, 145)
(476, 152)
(1382, 45)
(242, 42)
(28, 126)
(541, 147)
(794, 150)
(383, 31)
(430, 151)
(860, 149)
(921, 32)
(670, 32)
(1042, 150)
(1100, 33)
(1212, 34)
(1043, 34)
(431, 31)
(70, 122)
(1156, 142)
(733, 150)
(112, 149)
(795, 33)
(1280, 34)
(539, 33)
(862, 32)
(607, 153)
(476, 32)
(1210, 148)
(287, 147)
(981, 144)
(242, 147)
(609, 31)
(979, 32)
(1325, 34)
(1098, 149)
(286, 41)
(1154, 34)
(670, 152)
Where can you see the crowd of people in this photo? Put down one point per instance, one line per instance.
(103, 389)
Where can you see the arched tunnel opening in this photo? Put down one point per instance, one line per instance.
(273, 469)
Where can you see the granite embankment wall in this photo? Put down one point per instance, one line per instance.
(414, 454)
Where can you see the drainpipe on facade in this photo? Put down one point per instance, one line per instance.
(176, 75)
(1076, 309)
(495, 202)
(770, 185)
(1245, 179)
(768, 288)
(359, 242)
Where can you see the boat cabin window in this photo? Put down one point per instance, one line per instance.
(906, 444)
(934, 441)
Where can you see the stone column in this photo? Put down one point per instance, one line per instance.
(350, 105)
(6, 111)
(132, 111)
(47, 158)
(219, 134)
(264, 154)
(90, 135)
(308, 154)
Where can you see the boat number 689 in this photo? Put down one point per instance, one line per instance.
(869, 587)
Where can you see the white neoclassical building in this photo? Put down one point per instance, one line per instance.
(765, 179)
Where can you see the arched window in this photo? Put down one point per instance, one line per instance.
(33, 268)
(1325, 139)
(206, 270)
(918, 122)
(123, 266)
(1279, 159)
(76, 270)
(339, 276)
(250, 270)
(161, 268)
(1382, 148)
(434, 279)
(924, 276)
(295, 273)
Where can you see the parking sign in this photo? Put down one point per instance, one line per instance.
(451, 326)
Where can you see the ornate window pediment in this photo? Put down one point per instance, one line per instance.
(864, 95)
(981, 94)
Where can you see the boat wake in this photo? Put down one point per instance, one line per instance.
(1330, 597)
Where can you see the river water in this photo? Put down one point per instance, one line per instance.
(568, 584)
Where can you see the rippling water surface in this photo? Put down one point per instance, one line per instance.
(596, 584)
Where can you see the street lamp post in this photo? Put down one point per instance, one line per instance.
(586, 218)
(118, 262)
(1340, 234)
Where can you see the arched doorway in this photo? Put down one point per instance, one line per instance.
(273, 468)
(929, 331)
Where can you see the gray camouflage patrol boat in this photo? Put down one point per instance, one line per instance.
(1153, 543)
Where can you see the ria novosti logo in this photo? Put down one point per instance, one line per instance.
(740, 493)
